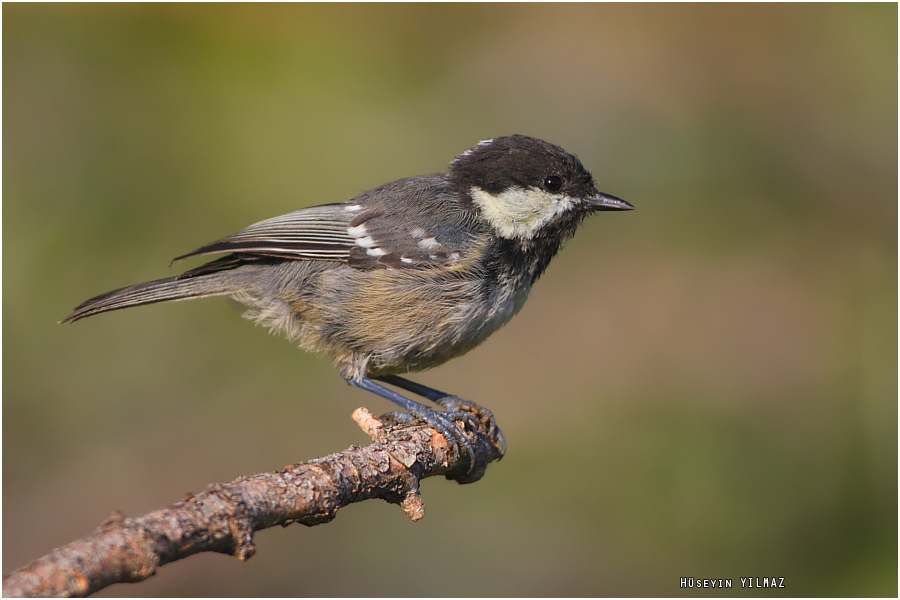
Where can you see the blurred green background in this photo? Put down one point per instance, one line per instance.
(705, 387)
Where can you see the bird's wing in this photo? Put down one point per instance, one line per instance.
(414, 240)
(365, 232)
(318, 232)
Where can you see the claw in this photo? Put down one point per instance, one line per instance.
(455, 408)
(443, 422)
(484, 415)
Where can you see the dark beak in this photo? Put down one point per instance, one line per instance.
(606, 202)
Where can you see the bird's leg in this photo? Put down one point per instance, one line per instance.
(442, 421)
(451, 403)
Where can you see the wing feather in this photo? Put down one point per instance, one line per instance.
(414, 223)
(318, 232)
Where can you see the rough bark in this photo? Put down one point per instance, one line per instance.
(224, 517)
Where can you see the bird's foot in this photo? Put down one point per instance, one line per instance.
(451, 422)
(446, 423)
(456, 405)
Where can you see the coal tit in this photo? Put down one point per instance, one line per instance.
(402, 277)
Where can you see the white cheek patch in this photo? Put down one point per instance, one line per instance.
(520, 212)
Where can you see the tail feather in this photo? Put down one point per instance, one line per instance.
(161, 290)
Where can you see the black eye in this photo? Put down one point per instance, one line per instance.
(552, 183)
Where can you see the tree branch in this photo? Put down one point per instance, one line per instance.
(224, 517)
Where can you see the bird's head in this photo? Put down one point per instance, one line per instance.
(524, 187)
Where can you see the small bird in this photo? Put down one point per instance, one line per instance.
(402, 277)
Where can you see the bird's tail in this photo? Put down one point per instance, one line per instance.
(172, 288)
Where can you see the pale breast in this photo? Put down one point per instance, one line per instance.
(395, 322)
